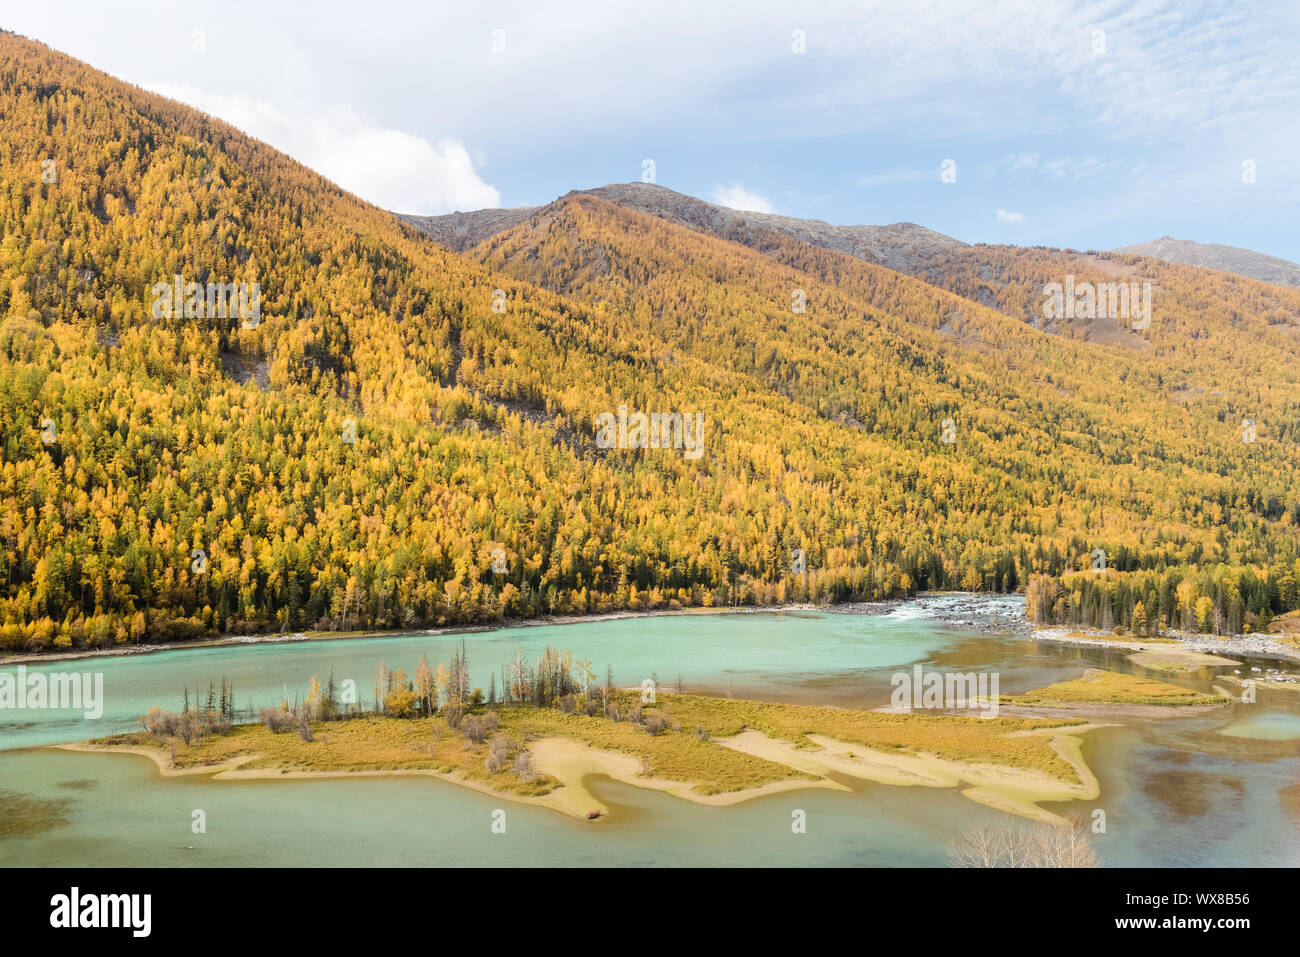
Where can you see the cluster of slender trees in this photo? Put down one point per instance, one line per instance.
(1215, 599)
(554, 679)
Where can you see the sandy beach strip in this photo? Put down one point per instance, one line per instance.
(233, 770)
(1015, 790)
(570, 762)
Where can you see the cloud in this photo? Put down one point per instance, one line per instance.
(1070, 168)
(1006, 216)
(1150, 125)
(894, 176)
(390, 168)
(736, 196)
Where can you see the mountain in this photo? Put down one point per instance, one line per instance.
(1243, 262)
(460, 231)
(900, 246)
(394, 434)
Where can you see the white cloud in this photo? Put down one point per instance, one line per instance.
(1155, 125)
(736, 196)
(1007, 216)
(1071, 168)
(390, 168)
(945, 67)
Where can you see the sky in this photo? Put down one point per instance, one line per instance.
(1034, 122)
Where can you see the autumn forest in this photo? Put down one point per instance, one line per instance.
(405, 436)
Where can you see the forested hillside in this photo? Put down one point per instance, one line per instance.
(403, 436)
(1133, 440)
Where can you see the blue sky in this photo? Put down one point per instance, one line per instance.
(1086, 124)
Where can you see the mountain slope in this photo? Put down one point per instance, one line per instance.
(1156, 428)
(460, 231)
(866, 325)
(418, 442)
(412, 433)
(1243, 262)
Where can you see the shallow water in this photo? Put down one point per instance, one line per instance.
(770, 655)
(1268, 726)
(1181, 792)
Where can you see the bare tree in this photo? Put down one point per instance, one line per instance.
(381, 685)
(518, 675)
(1004, 844)
(524, 766)
(462, 674)
(425, 689)
(501, 749)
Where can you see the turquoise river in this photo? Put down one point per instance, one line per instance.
(1208, 790)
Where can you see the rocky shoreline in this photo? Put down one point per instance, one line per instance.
(1254, 645)
(982, 614)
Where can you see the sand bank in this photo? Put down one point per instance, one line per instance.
(1178, 660)
(569, 762)
(572, 762)
(1015, 790)
(232, 770)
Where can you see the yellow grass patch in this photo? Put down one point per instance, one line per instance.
(1109, 687)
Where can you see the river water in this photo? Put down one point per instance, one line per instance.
(1218, 790)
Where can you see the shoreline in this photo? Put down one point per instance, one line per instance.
(233, 770)
(964, 617)
(1013, 790)
(885, 607)
(969, 615)
(569, 762)
(1182, 646)
(233, 641)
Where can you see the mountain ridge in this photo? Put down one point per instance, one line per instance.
(905, 246)
(897, 245)
(1234, 259)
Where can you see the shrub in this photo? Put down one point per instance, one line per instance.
(500, 751)
(476, 727)
(189, 726)
(278, 719)
(524, 766)
(656, 724)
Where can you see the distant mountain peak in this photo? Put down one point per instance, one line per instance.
(898, 245)
(1233, 259)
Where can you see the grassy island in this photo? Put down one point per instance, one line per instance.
(1115, 688)
(710, 750)
(555, 727)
